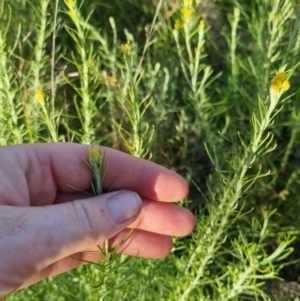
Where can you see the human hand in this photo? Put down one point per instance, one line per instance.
(44, 221)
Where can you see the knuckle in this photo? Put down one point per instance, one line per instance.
(87, 217)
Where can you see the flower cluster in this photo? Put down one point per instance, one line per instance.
(280, 82)
(186, 14)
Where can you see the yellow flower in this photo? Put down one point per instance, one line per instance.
(40, 95)
(201, 24)
(71, 3)
(94, 156)
(187, 13)
(126, 48)
(112, 80)
(280, 82)
(177, 24)
(95, 159)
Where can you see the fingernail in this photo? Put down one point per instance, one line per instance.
(123, 206)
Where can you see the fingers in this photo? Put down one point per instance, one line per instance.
(34, 238)
(148, 179)
(158, 217)
(65, 161)
(164, 218)
(155, 216)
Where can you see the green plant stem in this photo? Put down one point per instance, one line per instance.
(37, 66)
(87, 127)
(53, 80)
(8, 92)
(292, 141)
(233, 46)
(272, 43)
(232, 192)
(149, 36)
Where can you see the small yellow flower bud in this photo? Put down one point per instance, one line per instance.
(126, 48)
(187, 13)
(178, 24)
(95, 163)
(71, 3)
(94, 156)
(40, 95)
(201, 24)
(112, 80)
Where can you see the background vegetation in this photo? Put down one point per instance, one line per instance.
(187, 84)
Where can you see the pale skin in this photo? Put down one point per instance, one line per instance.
(44, 221)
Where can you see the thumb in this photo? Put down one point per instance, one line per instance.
(45, 235)
(80, 225)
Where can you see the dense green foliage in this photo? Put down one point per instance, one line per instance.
(187, 84)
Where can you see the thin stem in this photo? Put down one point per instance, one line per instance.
(53, 81)
(149, 35)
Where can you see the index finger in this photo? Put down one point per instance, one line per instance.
(66, 164)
